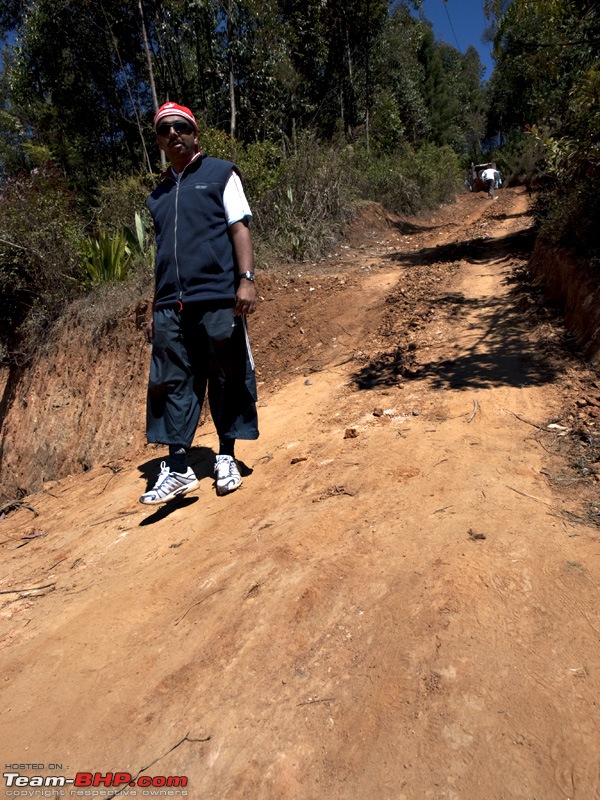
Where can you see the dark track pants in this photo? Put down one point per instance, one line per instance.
(202, 346)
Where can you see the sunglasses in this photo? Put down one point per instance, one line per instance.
(179, 127)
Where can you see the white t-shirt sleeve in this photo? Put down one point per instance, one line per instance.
(234, 200)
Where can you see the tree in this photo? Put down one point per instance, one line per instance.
(542, 48)
(547, 83)
(331, 44)
(436, 91)
(72, 90)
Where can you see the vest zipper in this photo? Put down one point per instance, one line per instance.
(175, 242)
(178, 179)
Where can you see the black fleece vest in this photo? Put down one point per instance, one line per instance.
(195, 260)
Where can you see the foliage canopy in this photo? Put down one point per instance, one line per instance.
(547, 83)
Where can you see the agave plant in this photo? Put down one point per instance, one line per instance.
(138, 240)
(107, 257)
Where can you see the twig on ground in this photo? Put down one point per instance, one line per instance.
(111, 519)
(24, 539)
(541, 444)
(186, 738)
(12, 505)
(252, 590)
(569, 480)
(106, 485)
(530, 496)
(334, 491)
(475, 410)
(210, 594)
(56, 563)
(316, 700)
(527, 421)
(476, 536)
(572, 516)
(341, 490)
(31, 589)
(29, 538)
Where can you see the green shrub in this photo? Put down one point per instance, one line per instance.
(111, 255)
(569, 219)
(122, 235)
(387, 130)
(261, 166)
(382, 179)
(217, 143)
(522, 160)
(437, 172)
(40, 242)
(301, 215)
(409, 180)
(120, 199)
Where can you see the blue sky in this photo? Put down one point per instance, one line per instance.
(460, 23)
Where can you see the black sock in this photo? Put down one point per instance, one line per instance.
(226, 447)
(178, 458)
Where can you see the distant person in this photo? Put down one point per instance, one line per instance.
(490, 177)
(204, 288)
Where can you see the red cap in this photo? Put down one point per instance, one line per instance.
(171, 109)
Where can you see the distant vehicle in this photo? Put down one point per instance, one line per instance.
(473, 180)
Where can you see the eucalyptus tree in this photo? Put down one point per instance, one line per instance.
(331, 49)
(458, 111)
(424, 90)
(544, 49)
(78, 84)
(263, 80)
(187, 45)
(400, 112)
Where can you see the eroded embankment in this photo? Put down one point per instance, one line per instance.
(79, 404)
(574, 287)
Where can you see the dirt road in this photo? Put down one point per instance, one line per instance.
(399, 603)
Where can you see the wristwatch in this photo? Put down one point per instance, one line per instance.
(248, 275)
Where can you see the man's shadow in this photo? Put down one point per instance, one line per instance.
(201, 460)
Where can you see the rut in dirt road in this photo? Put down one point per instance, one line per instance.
(396, 604)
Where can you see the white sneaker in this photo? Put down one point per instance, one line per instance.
(169, 486)
(228, 476)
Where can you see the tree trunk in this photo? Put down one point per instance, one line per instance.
(368, 78)
(232, 106)
(163, 161)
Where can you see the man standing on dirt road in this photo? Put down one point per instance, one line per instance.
(489, 177)
(204, 288)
